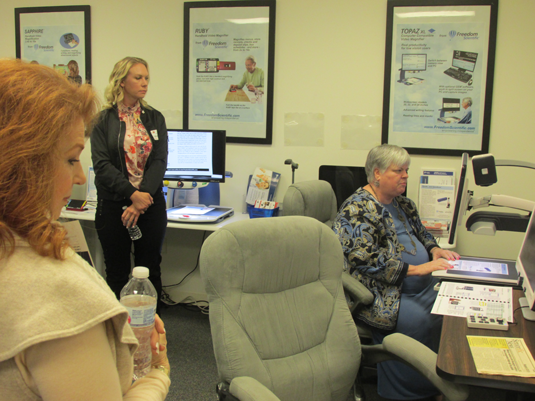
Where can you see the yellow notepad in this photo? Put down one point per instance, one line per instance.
(501, 356)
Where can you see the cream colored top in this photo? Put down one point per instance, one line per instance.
(64, 335)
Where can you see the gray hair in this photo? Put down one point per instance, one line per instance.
(383, 156)
(468, 100)
(252, 58)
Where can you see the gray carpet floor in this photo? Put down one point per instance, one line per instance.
(194, 371)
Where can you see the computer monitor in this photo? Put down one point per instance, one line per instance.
(196, 155)
(465, 61)
(451, 104)
(344, 180)
(461, 200)
(413, 62)
(525, 266)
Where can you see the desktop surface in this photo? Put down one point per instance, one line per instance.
(455, 362)
(89, 215)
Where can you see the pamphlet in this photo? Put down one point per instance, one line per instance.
(262, 185)
(462, 299)
(501, 356)
(437, 201)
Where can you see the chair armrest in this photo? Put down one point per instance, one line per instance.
(358, 293)
(407, 350)
(248, 389)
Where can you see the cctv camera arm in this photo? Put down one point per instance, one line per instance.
(502, 201)
(487, 223)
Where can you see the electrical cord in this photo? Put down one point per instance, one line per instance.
(195, 268)
(201, 305)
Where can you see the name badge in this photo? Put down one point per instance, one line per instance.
(154, 133)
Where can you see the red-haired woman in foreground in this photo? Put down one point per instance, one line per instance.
(64, 335)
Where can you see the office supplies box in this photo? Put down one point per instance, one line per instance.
(199, 213)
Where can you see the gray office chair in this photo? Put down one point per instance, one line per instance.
(314, 198)
(317, 199)
(281, 328)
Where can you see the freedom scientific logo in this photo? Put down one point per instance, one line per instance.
(464, 35)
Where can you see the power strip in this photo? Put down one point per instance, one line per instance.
(485, 322)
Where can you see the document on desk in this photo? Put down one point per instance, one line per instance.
(462, 299)
(501, 356)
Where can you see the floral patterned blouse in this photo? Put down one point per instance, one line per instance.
(137, 142)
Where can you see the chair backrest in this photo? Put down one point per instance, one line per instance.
(314, 198)
(277, 307)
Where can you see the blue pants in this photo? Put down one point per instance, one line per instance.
(117, 245)
(396, 380)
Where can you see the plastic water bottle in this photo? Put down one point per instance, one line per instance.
(139, 297)
(134, 231)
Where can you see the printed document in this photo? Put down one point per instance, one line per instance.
(462, 299)
(501, 356)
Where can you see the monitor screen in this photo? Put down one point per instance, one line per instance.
(461, 200)
(345, 180)
(525, 263)
(413, 62)
(196, 155)
(450, 104)
(464, 60)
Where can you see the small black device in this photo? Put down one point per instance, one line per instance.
(484, 170)
(76, 205)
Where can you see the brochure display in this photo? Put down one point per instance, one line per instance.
(439, 69)
(436, 201)
(262, 186)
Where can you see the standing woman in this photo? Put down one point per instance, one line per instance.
(129, 152)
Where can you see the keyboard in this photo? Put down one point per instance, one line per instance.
(458, 75)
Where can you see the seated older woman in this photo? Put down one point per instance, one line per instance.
(387, 248)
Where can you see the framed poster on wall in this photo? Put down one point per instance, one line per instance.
(439, 71)
(58, 37)
(229, 49)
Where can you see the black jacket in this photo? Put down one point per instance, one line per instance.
(107, 153)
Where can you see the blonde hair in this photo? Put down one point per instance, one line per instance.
(114, 92)
(74, 66)
(38, 107)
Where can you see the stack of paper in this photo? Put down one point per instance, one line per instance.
(501, 356)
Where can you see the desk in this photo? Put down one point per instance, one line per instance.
(89, 215)
(238, 96)
(455, 362)
(179, 252)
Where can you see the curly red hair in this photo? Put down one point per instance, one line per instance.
(37, 107)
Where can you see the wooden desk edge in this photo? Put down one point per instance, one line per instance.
(450, 346)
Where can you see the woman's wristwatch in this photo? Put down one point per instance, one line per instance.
(163, 368)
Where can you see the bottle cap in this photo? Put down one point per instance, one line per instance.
(140, 272)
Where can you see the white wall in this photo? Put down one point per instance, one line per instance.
(329, 59)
